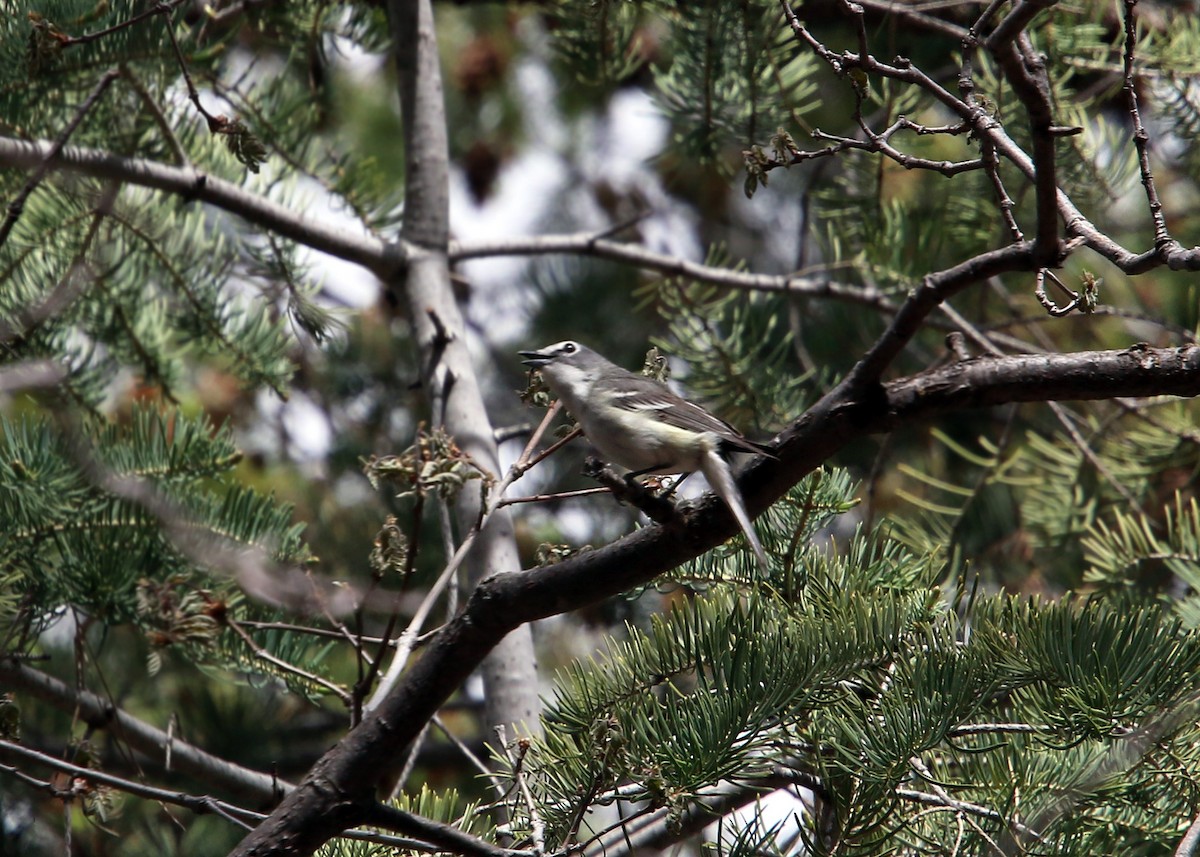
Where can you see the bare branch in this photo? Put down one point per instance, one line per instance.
(246, 818)
(1141, 138)
(1026, 72)
(30, 374)
(1027, 66)
(935, 289)
(587, 243)
(187, 183)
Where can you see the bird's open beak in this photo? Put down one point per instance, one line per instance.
(534, 359)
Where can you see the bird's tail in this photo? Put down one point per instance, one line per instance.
(719, 476)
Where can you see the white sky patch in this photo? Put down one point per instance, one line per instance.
(307, 433)
(526, 186)
(633, 132)
(537, 85)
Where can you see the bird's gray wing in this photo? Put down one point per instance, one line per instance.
(639, 393)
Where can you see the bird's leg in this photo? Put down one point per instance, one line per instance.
(629, 490)
(674, 485)
(636, 473)
(663, 493)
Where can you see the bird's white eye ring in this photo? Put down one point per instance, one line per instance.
(569, 348)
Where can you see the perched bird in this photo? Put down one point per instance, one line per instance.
(637, 423)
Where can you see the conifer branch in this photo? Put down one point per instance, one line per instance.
(151, 742)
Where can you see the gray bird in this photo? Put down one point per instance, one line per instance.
(637, 423)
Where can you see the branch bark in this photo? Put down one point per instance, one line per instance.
(510, 670)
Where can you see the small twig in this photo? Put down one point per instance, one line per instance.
(912, 13)
(924, 772)
(965, 807)
(385, 640)
(957, 346)
(999, 729)
(163, 7)
(160, 120)
(476, 762)
(263, 655)
(991, 166)
(986, 16)
(552, 448)
(215, 123)
(1087, 452)
(1052, 308)
(537, 826)
(1141, 139)
(547, 498)
(410, 762)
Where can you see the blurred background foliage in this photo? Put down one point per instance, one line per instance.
(287, 370)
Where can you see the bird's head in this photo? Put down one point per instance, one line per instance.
(565, 353)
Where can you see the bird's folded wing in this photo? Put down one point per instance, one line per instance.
(650, 396)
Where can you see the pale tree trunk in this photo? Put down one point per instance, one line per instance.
(509, 672)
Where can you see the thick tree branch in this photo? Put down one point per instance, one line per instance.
(335, 791)
(201, 804)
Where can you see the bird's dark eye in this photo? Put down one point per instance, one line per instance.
(569, 348)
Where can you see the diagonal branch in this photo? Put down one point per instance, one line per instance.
(1171, 253)
(84, 778)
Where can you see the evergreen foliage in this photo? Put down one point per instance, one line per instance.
(977, 636)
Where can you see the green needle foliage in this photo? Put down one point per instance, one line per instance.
(978, 635)
(121, 534)
(1049, 722)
